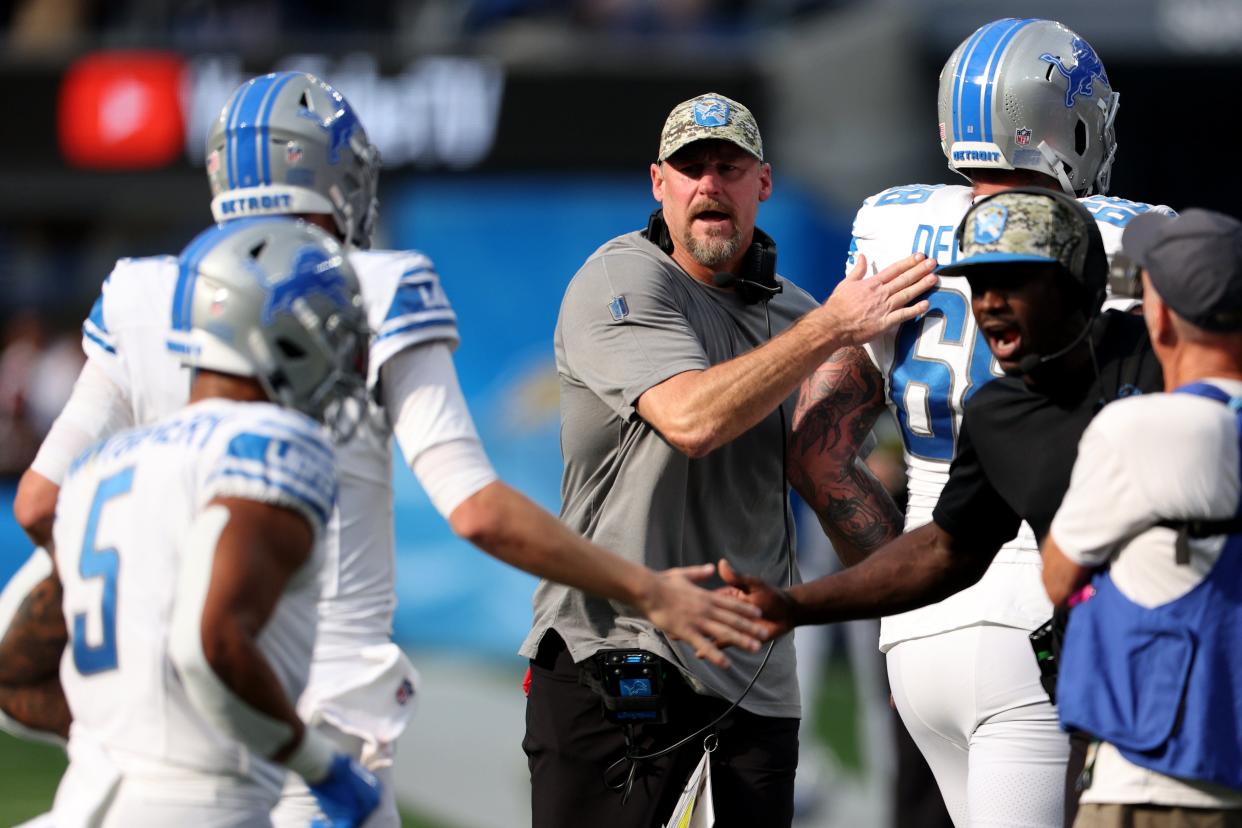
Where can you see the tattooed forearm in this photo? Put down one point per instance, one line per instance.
(31, 647)
(859, 516)
(837, 407)
(838, 404)
(38, 706)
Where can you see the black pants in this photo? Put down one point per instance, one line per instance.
(569, 745)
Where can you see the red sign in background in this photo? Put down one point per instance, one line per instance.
(122, 111)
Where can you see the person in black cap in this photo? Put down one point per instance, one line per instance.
(1151, 665)
(1037, 273)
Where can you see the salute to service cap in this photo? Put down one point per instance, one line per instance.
(709, 117)
(1029, 225)
(1194, 262)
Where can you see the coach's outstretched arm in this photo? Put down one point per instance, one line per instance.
(699, 411)
(918, 568)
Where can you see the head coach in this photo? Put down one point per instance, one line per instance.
(679, 352)
(1151, 665)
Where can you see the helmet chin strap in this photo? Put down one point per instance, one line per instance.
(1057, 166)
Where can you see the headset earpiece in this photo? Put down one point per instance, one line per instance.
(657, 231)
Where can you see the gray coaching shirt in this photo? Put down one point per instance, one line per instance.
(631, 318)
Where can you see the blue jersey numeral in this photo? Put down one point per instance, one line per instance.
(100, 563)
(1115, 211)
(916, 194)
(923, 375)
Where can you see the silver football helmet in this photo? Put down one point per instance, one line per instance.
(289, 143)
(276, 299)
(1033, 95)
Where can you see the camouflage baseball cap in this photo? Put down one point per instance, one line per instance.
(710, 116)
(1024, 226)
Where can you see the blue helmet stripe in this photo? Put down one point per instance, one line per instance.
(992, 72)
(962, 62)
(188, 264)
(230, 132)
(973, 75)
(264, 121)
(248, 134)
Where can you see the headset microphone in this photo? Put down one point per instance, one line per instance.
(1030, 362)
(753, 291)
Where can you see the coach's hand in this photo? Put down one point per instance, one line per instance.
(776, 605)
(861, 309)
(706, 620)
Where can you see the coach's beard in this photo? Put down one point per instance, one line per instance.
(715, 251)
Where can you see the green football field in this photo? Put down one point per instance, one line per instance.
(29, 773)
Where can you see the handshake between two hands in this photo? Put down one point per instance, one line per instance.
(744, 613)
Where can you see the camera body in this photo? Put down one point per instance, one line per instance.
(632, 684)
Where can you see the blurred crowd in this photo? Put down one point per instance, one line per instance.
(39, 361)
(49, 24)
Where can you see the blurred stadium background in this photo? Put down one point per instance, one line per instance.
(516, 136)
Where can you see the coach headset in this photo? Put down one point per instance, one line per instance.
(756, 283)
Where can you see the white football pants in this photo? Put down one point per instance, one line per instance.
(972, 701)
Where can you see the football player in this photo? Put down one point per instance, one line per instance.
(1021, 102)
(288, 143)
(189, 550)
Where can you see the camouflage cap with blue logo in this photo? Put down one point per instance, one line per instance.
(1021, 227)
(707, 117)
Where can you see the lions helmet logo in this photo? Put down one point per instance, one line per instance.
(313, 272)
(339, 125)
(990, 223)
(1081, 77)
(711, 112)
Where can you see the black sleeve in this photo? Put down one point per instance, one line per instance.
(970, 509)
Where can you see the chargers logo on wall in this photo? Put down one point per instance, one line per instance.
(1081, 78)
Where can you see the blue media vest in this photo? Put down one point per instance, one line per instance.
(1163, 685)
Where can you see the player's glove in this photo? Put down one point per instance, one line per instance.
(347, 795)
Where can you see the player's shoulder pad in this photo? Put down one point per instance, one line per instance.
(277, 453)
(126, 298)
(1113, 211)
(911, 202)
(403, 295)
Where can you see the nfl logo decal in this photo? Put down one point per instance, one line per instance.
(942, 130)
(213, 162)
(1022, 136)
(990, 223)
(711, 112)
(619, 308)
(293, 153)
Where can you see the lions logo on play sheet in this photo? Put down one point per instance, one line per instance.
(990, 223)
(711, 112)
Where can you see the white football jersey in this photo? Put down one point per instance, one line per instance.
(931, 366)
(127, 334)
(122, 519)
